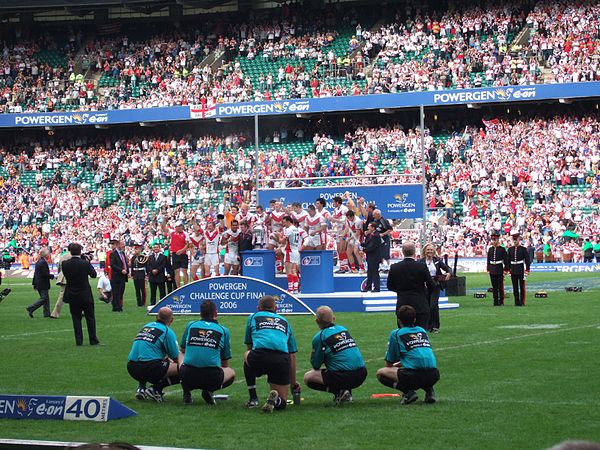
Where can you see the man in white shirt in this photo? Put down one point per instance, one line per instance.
(104, 287)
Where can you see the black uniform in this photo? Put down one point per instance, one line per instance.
(518, 263)
(372, 245)
(138, 273)
(497, 263)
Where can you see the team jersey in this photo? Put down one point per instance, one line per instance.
(325, 213)
(335, 347)
(205, 343)
(197, 240)
(248, 217)
(315, 224)
(411, 347)
(294, 238)
(270, 331)
(154, 341)
(338, 217)
(178, 241)
(232, 241)
(300, 217)
(276, 218)
(353, 228)
(212, 239)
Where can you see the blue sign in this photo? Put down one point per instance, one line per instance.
(396, 201)
(566, 267)
(232, 295)
(253, 261)
(50, 407)
(313, 260)
(109, 117)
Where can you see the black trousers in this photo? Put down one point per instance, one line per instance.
(161, 290)
(497, 288)
(171, 286)
(434, 308)
(77, 311)
(519, 288)
(373, 279)
(140, 291)
(43, 301)
(118, 290)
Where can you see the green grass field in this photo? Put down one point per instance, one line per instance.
(519, 378)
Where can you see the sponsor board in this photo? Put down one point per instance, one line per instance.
(253, 261)
(50, 407)
(312, 260)
(232, 295)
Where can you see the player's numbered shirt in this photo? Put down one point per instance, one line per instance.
(154, 341)
(294, 238)
(233, 238)
(211, 240)
(270, 331)
(337, 349)
(411, 347)
(315, 224)
(205, 343)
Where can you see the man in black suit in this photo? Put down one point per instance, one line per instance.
(409, 279)
(119, 269)
(41, 283)
(372, 246)
(78, 294)
(155, 268)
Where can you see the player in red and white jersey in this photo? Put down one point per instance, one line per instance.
(338, 219)
(352, 233)
(244, 215)
(197, 249)
(298, 214)
(260, 231)
(316, 227)
(276, 222)
(292, 241)
(178, 248)
(320, 205)
(230, 238)
(212, 238)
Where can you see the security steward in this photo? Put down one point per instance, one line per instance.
(334, 347)
(518, 265)
(410, 362)
(497, 264)
(137, 267)
(271, 351)
(154, 357)
(206, 346)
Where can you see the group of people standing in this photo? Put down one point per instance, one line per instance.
(201, 360)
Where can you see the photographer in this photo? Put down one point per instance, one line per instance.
(78, 294)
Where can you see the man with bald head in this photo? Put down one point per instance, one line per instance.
(154, 357)
(408, 279)
(334, 347)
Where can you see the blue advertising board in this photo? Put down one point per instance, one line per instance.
(566, 267)
(396, 201)
(232, 295)
(70, 407)
(501, 94)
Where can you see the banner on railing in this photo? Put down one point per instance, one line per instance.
(396, 201)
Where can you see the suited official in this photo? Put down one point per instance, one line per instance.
(41, 283)
(155, 268)
(440, 272)
(78, 294)
(372, 246)
(409, 279)
(119, 270)
(61, 283)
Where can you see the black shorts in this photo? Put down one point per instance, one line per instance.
(179, 261)
(411, 380)
(148, 371)
(275, 365)
(205, 378)
(343, 379)
(385, 248)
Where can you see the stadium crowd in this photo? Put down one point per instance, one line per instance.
(419, 50)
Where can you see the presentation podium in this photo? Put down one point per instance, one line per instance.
(316, 271)
(259, 264)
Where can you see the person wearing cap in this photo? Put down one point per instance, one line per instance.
(334, 347)
(518, 266)
(409, 361)
(497, 264)
(138, 274)
(154, 357)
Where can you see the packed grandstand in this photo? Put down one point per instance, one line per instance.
(531, 168)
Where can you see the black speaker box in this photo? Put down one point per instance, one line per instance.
(456, 287)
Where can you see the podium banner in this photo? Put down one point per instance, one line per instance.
(232, 295)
